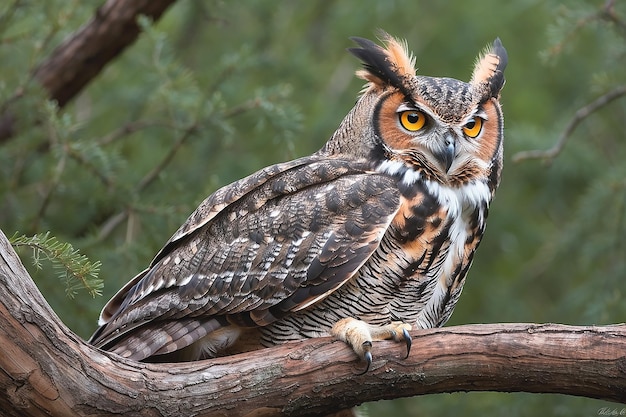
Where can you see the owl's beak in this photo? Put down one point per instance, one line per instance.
(448, 152)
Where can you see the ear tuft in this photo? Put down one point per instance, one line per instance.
(382, 66)
(488, 76)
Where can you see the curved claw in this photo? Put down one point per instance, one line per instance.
(368, 359)
(408, 340)
(367, 355)
(359, 335)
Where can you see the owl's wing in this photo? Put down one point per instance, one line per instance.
(267, 245)
(204, 213)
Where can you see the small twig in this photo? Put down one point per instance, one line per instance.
(89, 166)
(7, 16)
(54, 181)
(557, 48)
(608, 13)
(152, 175)
(112, 222)
(242, 108)
(248, 105)
(115, 220)
(579, 116)
(128, 128)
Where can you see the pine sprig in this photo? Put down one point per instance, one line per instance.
(74, 270)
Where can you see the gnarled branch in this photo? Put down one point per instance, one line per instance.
(48, 370)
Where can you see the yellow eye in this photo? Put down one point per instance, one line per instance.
(473, 127)
(412, 120)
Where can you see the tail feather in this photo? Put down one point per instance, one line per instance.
(161, 338)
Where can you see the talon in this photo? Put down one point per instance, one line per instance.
(408, 340)
(367, 355)
(359, 335)
(368, 358)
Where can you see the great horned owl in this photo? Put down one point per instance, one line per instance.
(371, 235)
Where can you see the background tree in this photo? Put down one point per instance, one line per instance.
(217, 90)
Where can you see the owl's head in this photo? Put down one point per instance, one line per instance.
(443, 129)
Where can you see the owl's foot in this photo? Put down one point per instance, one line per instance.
(359, 335)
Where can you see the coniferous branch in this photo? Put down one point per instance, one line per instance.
(75, 270)
(261, 99)
(8, 14)
(85, 154)
(579, 116)
(608, 13)
(605, 13)
(116, 219)
(58, 129)
(154, 173)
(129, 128)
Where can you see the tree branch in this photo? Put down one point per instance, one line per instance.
(48, 370)
(79, 59)
(579, 116)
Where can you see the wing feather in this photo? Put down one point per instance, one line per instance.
(277, 241)
(204, 213)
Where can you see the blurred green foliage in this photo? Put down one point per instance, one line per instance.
(216, 90)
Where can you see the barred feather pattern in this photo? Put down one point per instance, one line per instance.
(396, 283)
(381, 225)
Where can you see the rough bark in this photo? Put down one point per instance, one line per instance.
(81, 57)
(48, 370)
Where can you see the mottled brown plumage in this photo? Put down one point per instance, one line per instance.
(367, 237)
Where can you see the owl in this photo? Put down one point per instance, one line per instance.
(369, 237)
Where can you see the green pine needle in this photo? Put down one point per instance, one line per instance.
(75, 270)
